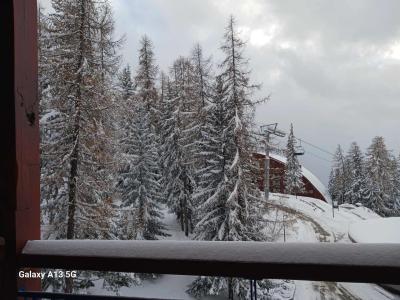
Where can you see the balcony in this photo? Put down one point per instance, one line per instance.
(20, 226)
(372, 263)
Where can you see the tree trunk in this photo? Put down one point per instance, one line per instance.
(72, 181)
(186, 221)
(69, 285)
(72, 190)
(230, 289)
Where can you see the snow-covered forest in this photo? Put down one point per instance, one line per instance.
(119, 146)
(146, 153)
(371, 179)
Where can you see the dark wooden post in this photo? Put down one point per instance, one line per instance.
(19, 133)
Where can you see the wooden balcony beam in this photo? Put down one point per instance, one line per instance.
(376, 263)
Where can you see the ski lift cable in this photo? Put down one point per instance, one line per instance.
(308, 143)
(317, 147)
(317, 156)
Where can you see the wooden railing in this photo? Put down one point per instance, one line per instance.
(378, 263)
(374, 263)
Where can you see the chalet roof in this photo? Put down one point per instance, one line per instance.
(319, 186)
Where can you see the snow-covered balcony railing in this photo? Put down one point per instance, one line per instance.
(375, 263)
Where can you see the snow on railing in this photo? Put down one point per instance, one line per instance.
(377, 263)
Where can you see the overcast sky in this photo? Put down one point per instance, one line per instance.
(332, 68)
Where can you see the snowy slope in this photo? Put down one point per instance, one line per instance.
(311, 220)
(164, 287)
(383, 230)
(306, 220)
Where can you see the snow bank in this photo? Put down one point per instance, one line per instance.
(320, 213)
(383, 230)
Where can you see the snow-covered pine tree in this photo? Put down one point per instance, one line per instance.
(202, 78)
(125, 83)
(140, 175)
(396, 185)
(232, 212)
(337, 180)
(210, 177)
(145, 81)
(357, 190)
(165, 114)
(76, 134)
(332, 184)
(178, 138)
(125, 106)
(379, 171)
(202, 85)
(140, 180)
(293, 175)
(393, 185)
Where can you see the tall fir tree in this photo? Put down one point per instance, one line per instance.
(357, 191)
(145, 80)
(126, 104)
(380, 174)
(140, 180)
(210, 184)
(178, 138)
(337, 180)
(396, 185)
(293, 175)
(76, 119)
(76, 133)
(232, 212)
(202, 86)
(125, 83)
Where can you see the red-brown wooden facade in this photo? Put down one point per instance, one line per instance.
(19, 129)
(277, 183)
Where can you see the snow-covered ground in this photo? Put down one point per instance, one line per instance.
(305, 220)
(383, 230)
(311, 220)
(166, 286)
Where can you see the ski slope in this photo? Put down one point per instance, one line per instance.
(311, 220)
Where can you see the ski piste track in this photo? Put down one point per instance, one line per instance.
(313, 222)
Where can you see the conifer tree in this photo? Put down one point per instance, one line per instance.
(125, 83)
(178, 136)
(202, 85)
(396, 186)
(357, 191)
(125, 107)
(380, 173)
(77, 144)
(337, 180)
(145, 80)
(231, 213)
(211, 176)
(293, 174)
(140, 180)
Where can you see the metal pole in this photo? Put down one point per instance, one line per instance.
(266, 168)
(284, 229)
